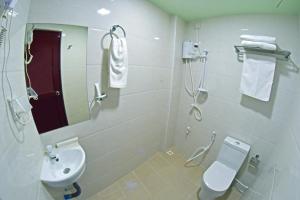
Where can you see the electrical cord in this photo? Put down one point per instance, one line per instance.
(4, 78)
(6, 55)
(2, 35)
(93, 103)
(273, 184)
(28, 60)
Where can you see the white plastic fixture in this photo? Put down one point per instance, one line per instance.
(8, 5)
(233, 153)
(213, 174)
(188, 50)
(219, 176)
(20, 108)
(66, 167)
(98, 95)
(12, 13)
(191, 53)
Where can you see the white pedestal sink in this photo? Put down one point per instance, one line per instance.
(67, 167)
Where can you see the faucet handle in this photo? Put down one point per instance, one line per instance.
(50, 153)
(49, 149)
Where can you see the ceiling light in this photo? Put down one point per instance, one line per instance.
(103, 11)
(156, 38)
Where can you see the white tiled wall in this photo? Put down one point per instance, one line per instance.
(135, 122)
(271, 128)
(179, 27)
(20, 162)
(130, 124)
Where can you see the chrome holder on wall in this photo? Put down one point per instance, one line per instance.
(279, 53)
(114, 28)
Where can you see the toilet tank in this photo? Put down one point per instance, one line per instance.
(233, 153)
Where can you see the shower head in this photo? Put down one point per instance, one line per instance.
(202, 90)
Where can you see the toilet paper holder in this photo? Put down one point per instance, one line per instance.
(254, 161)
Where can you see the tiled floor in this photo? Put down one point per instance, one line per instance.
(162, 177)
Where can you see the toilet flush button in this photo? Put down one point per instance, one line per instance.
(238, 143)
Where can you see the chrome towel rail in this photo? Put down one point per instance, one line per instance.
(279, 53)
(114, 28)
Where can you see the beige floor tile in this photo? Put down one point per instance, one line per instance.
(193, 174)
(158, 162)
(162, 177)
(194, 195)
(231, 194)
(133, 188)
(92, 198)
(176, 159)
(153, 182)
(167, 193)
(181, 184)
(113, 192)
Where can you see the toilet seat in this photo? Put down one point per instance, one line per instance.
(218, 177)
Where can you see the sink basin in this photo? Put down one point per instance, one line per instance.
(67, 168)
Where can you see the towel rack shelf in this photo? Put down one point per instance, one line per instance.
(279, 53)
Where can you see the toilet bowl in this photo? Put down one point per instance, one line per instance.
(219, 176)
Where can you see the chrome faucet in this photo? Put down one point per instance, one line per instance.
(50, 152)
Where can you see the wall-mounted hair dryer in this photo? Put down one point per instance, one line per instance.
(7, 5)
(98, 95)
(10, 4)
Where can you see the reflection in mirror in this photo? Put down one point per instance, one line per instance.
(55, 71)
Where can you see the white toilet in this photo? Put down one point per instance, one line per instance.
(219, 176)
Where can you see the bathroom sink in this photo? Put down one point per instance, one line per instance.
(66, 168)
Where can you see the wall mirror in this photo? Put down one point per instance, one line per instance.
(55, 72)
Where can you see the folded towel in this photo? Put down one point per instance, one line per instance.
(257, 76)
(261, 45)
(118, 63)
(257, 38)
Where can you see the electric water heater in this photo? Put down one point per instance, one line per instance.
(189, 49)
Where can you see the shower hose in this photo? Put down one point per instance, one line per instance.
(195, 107)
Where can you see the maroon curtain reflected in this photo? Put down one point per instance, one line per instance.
(45, 75)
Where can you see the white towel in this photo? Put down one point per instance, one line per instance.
(118, 63)
(257, 76)
(257, 38)
(261, 45)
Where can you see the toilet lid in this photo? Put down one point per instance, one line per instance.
(218, 177)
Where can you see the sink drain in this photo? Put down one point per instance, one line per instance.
(66, 170)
